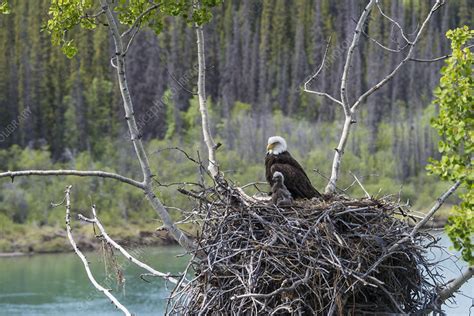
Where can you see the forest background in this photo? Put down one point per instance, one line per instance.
(65, 113)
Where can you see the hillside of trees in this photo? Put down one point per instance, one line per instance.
(66, 113)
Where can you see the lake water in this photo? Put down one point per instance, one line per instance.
(57, 285)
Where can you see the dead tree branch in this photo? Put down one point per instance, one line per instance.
(385, 80)
(421, 60)
(331, 186)
(454, 285)
(99, 287)
(126, 254)
(350, 108)
(440, 201)
(350, 56)
(78, 173)
(392, 50)
(306, 84)
(360, 184)
(402, 32)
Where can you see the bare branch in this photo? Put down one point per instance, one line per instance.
(277, 291)
(430, 60)
(392, 50)
(350, 55)
(440, 201)
(385, 80)
(321, 66)
(206, 130)
(114, 244)
(394, 23)
(435, 59)
(254, 184)
(99, 287)
(348, 120)
(349, 111)
(360, 184)
(324, 94)
(454, 285)
(178, 82)
(79, 173)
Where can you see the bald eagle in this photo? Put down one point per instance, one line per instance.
(280, 194)
(279, 159)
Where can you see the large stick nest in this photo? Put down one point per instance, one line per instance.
(315, 257)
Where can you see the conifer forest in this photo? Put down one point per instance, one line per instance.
(374, 99)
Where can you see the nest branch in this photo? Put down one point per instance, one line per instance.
(315, 257)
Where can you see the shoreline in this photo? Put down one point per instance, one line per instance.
(15, 254)
(29, 241)
(50, 242)
(7, 255)
(12, 254)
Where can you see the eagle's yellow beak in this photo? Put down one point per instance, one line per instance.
(270, 146)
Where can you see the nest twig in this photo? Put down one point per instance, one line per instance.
(318, 258)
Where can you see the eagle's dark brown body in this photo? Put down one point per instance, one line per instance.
(296, 179)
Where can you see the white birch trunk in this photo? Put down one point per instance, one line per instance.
(206, 129)
(135, 134)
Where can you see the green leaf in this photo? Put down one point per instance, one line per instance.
(66, 15)
(4, 7)
(455, 124)
(69, 49)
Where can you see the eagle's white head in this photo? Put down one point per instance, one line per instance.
(276, 145)
(278, 176)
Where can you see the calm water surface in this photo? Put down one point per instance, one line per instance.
(57, 285)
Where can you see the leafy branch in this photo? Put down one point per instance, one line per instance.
(66, 15)
(455, 125)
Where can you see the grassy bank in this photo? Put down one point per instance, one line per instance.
(29, 239)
